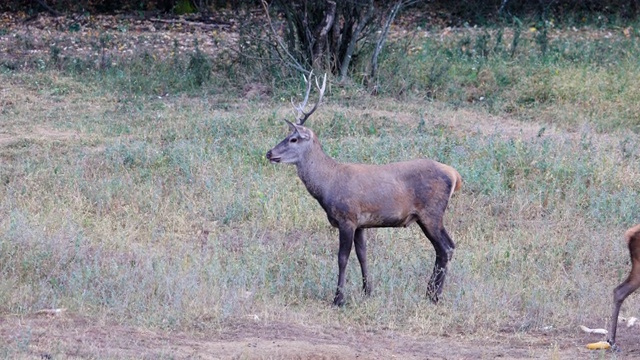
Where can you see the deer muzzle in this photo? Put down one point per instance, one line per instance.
(273, 160)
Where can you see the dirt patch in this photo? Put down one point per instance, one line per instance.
(104, 39)
(72, 336)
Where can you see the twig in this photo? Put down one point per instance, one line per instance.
(51, 312)
(191, 23)
(355, 37)
(383, 37)
(502, 6)
(53, 11)
(294, 63)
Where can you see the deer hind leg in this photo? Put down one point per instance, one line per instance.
(631, 284)
(361, 252)
(444, 246)
(346, 242)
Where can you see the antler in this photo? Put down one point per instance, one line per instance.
(302, 115)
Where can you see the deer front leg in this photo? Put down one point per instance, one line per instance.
(619, 294)
(631, 284)
(361, 252)
(346, 241)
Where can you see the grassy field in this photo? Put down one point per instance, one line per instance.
(162, 212)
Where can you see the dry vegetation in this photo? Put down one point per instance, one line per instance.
(158, 217)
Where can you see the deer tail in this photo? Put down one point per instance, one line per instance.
(456, 180)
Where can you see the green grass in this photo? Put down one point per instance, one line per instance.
(580, 77)
(165, 213)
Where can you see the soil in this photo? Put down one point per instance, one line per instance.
(72, 336)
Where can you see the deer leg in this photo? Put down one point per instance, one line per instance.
(631, 284)
(444, 247)
(361, 252)
(346, 242)
(619, 294)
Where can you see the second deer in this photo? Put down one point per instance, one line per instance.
(631, 284)
(359, 196)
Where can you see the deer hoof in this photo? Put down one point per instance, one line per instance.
(433, 297)
(338, 300)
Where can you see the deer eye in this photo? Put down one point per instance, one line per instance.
(293, 140)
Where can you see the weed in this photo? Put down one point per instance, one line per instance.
(199, 69)
(55, 54)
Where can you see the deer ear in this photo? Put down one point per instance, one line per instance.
(291, 125)
(304, 133)
(298, 129)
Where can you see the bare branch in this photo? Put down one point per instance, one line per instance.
(383, 37)
(322, 32)
(355, 37)
(281, 48)
(48, 8)
(502, 7)
(192, 23)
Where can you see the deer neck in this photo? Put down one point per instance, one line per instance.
(316, 170)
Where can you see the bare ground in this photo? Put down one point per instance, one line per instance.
(73, 336)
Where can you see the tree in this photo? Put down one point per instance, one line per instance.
(327, 34)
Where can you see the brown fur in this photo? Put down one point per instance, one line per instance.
(631, 284)
(359, 196)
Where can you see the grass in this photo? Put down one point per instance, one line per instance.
(163, 212)
(581, 76)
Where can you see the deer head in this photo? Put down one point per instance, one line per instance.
(294, 147)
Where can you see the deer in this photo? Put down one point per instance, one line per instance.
(360, 196)
(631, 284)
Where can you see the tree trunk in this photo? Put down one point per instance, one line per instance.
(380, 43)
(353, 37)
(321, 41)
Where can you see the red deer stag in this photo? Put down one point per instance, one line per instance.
(631, 284)
(359, 196)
